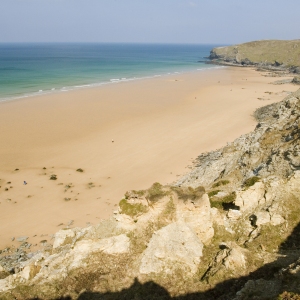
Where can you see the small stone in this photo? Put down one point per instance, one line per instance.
(234, 214)
(22, 239)
(296, 80)
(221, 194)
(63, 237)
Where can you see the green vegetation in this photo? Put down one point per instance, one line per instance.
(220, 183)
(134, 193)
(79, 170)
(189, 193)
(225, 202)
(155, 192)
(139, 240)
(251, 181)
(3, 274)
(273, 52)
(132, 210)
(53, 177)
(169, 211)
(213, 193)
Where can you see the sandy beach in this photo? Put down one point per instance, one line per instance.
(123, 136)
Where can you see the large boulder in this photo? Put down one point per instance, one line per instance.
(172, 247)
(113, 245)
(198, 217)
(251, 198)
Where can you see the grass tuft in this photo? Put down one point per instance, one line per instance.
(189, 193)
(225, 202)
(132, 210)
(155, 192)
(251, 181)
(213, 193)
(220, 183)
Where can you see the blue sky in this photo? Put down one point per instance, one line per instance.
(148, 21)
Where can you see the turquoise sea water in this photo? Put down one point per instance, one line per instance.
(31, 69)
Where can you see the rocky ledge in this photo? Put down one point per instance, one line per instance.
(275, 55)
(227, 230)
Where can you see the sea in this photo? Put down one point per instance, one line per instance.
(36, 69)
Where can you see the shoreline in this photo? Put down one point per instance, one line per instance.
(79, 87)
(157, 125)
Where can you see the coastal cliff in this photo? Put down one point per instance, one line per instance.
(271, 54)
(227, 230)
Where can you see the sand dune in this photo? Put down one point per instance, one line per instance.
(158, 126)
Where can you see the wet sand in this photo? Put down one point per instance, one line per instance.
(123, 136)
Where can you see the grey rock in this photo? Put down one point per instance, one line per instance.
(260, 153)
(296, 80)
(22, 239)
(284, 81)
(262, 289)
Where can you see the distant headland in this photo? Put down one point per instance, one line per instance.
(267, 54)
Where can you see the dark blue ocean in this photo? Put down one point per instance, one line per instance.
(32, 69)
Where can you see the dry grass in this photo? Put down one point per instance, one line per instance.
(155, 192)
(223, 202)
(270, 52)
(188, 193)
(132, 210)
(213, 193)
(220, 183)
(250, 181)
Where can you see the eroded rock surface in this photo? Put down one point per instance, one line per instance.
(174, 246)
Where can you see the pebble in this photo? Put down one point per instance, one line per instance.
(22, 238)
(71, 223)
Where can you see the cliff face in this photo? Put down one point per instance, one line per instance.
(274, 54)
(227, 230)
(271, 149)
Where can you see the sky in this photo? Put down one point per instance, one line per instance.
(148, 21)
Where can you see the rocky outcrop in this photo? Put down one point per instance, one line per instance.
(231, 224)
(272, 149)
(174, 246)
(270, 54)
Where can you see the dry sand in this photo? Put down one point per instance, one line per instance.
(158, 126)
